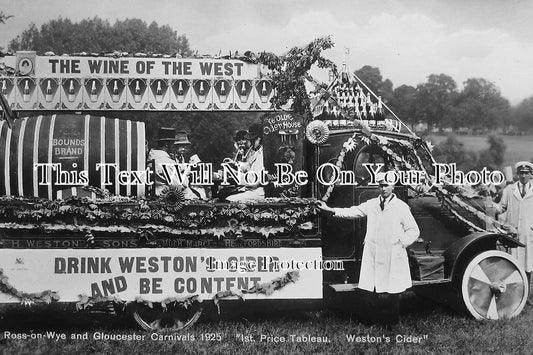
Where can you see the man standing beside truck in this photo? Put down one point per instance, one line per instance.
(390, 229)
(517, 203)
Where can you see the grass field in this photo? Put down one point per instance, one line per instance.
(517, 147)
(425, 328)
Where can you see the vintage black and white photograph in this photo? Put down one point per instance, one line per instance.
(266, 176)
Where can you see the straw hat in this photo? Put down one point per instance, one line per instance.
(181, 138)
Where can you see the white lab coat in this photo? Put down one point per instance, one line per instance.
(161, 157)
(385, 266)
(254, 162)
(519, 214)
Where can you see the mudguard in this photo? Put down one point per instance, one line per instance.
(461, 251)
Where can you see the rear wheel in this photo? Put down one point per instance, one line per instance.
(493, 286)
(156, 318)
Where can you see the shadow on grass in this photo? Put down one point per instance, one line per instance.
(60, 317)
(347, 308)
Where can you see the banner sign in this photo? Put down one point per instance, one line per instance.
(135, 83)
(156, 274)
(131, 67)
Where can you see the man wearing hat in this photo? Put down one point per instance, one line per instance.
(182, 151)
(517, 202)
(384, 266)
(242, 145)
(161, 155)
(253, 161)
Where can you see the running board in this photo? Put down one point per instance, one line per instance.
(340, 288)
(431, 282)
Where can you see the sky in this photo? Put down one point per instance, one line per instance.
(406, 39)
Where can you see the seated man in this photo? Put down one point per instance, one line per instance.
(253, 163)
(182, 153)
(242, 145)
(286, 155)
(161, 156)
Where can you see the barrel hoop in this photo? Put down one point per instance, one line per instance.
(117, 151)
(141, 154)
(36, 154)
(49, 159)
(7, 167)
(128, 154)
(3, 133)
(27, 160)
(86, 147)
(123, 153)
(13, 158)
(3, 148)
(20, 148)
(44, 139)
(43, 150)
(102, 151)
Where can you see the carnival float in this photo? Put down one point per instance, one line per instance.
(70, 234)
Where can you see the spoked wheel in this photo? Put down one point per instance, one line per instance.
(157, 318)
(494, 286)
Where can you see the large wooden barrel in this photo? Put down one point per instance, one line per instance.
(78, 143)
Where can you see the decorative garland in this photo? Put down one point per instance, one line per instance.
(174, 197)
(453, 201)
(348, 146)
(289, 72)
(383, 142)
(27, 299)
(88, 301)
(183, 302)
(267, 288)
(461, 218)
(445, 196)
(130, 215)
(317, 132)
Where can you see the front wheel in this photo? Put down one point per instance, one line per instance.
(494, 286)
(174, 318)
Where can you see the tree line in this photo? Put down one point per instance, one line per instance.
(439, 103)
(62, 36)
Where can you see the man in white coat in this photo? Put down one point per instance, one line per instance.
(253, 165)
(517, 203)
(161, 156)
(390, 229)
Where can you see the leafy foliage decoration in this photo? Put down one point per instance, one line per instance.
(86, 301)
(26, 299)
(133, 215)
(289, 72)
(266, 288)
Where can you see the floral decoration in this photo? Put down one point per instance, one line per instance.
(27, 299)
(143, 217)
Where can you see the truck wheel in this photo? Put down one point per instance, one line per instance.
(493, 286)
(155, 318)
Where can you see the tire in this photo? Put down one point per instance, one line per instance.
(155, 318)
(494, 286)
